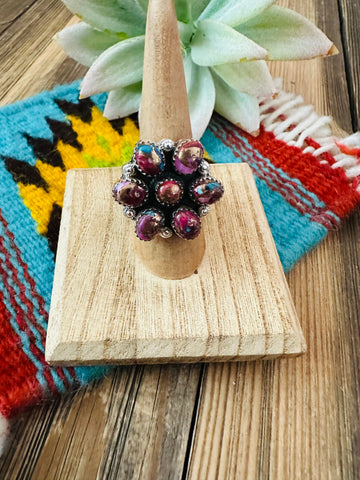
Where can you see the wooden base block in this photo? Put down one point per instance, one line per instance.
(107, 308)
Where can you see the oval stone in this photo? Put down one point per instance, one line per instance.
(188, 156)
(207, 191)
(149, 159)
(186, 224)
(148, 224)
(169, 192)
(130, 193)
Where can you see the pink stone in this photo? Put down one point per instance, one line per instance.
(149, 224)
(130, 193)
(186, 224)
(149, 159)
(188, 157)
(169, 192)
(207, 191)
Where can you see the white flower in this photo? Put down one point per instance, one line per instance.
(225, 44)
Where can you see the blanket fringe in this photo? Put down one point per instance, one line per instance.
(297, 124)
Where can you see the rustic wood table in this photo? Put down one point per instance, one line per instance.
(284, 419)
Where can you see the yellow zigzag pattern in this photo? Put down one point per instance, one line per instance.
(102, 147)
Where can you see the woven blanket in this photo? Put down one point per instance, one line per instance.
(308, 182)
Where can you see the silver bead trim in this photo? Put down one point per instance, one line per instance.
(129, 213)
(128, 169)
(166, 233)
(204, 168)
(204, 210)
(166, 144)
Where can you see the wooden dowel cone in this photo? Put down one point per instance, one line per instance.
(164, 113)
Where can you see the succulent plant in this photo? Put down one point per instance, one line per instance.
(225, 44)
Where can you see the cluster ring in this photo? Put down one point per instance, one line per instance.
(166, 187)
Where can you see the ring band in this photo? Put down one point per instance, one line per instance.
(166, 188)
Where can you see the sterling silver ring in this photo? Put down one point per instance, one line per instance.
(166, 188)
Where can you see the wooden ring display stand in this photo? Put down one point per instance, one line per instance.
(119, 300)
(165, 114)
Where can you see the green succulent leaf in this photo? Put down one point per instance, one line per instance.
(183, 10)
(215, 43)
(186, 31)
(119, 66)
(239, 108)
(84, 44)
(234, 12)
(201, 96)
(123, 101)
(125, 16)
(224, 44)
(252, 78)
(143, 4)
(286, 35)
(197, 6)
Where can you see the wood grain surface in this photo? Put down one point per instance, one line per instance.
(282, 419)
(349, 17)
(236, 307)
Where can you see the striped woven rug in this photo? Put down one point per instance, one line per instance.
(308, 182)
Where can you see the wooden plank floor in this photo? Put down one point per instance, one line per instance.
(287, 419)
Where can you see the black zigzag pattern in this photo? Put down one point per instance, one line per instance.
(24, 173)
(82, 109)
(44, 150)
(64, 131)
(52, 233)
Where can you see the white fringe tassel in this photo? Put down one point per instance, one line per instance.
(293, 121)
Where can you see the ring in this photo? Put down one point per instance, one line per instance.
(166, 188)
